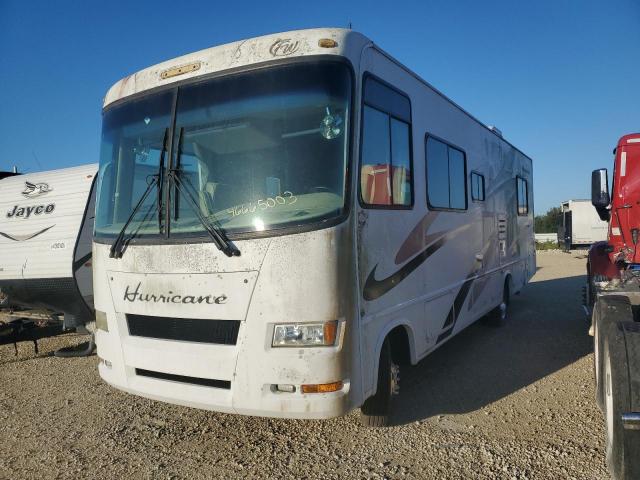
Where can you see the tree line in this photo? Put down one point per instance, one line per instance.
(548, 223)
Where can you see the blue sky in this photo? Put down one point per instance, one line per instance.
(559, 77)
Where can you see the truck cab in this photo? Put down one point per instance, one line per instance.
(613, 299)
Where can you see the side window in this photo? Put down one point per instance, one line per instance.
(446, 176)
(386, 168)
(523, 196)
(477, 187)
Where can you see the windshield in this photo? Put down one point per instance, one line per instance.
(255, 151)
(132, 137)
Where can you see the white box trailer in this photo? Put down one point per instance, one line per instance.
(581, 225)
(46, 225)
(283, 221)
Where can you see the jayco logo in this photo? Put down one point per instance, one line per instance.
(283, 47)
(35, 189)
(25, 212)
(136, 295)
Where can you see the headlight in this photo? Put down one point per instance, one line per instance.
(305, 334)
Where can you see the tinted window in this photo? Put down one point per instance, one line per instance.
(523, 196)
(385, 173)
(446, 176)
(401, 162)
(477, 186)
(380, 96)
(457, 184)
(437, 174)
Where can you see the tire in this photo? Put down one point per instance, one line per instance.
(623, 455)
(498, 317)
(608, 309)
(376, 410)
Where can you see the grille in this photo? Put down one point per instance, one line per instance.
(205, 382)
(224, 332)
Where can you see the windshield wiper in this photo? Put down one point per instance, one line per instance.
(161, 177)
(117, 249)
(213, 229)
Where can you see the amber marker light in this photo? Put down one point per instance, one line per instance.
(330, 332)
(327, 43)
(323, 387)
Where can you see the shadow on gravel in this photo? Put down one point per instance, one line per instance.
(547, 331)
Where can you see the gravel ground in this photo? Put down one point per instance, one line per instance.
(513, 403)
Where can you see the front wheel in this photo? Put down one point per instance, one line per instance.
(376, 410)
(623, 454)
(608, 310)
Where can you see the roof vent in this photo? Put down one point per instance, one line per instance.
(495, 130)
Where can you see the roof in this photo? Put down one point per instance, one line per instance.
(631, 138)
(297, 43)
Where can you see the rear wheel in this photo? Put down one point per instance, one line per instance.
(376, 410)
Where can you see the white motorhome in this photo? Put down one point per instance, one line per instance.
(581, 225)
(283, 221)
(46, 228)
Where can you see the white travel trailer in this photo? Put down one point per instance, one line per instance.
(581, 225)
(282, 221)
(46, 228)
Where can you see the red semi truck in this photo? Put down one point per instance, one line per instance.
(613, 300)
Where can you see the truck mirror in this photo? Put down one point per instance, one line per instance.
(600, 193)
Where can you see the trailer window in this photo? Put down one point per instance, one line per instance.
(446, 176)
(477, 187)
(385, 172)
(523, 196)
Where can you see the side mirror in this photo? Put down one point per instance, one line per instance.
(600, 193)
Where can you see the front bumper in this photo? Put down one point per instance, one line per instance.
(251, 374)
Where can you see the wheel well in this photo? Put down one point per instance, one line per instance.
(400, 348)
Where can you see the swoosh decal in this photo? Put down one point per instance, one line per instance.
(417, 239)
(23, 238)
(376, 288)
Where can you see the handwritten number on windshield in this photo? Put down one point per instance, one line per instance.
(287, 198)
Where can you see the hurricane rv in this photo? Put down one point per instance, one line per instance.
(283, 221)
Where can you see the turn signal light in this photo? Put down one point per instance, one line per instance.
(323, 387)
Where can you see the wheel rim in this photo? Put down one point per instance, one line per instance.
(608, 400)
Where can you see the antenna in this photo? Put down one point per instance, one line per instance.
(350, 26)
(36, 159)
